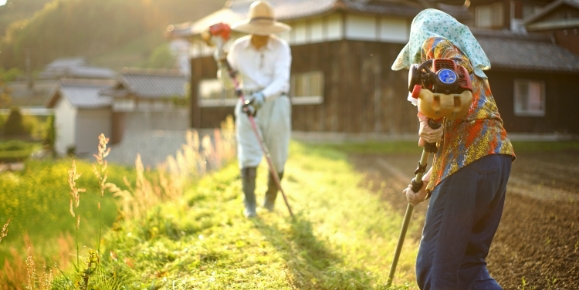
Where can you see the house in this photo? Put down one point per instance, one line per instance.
(77, 67)
(146, 100)
(342, 51)
(503, 14)
(535, 61)
(23, 95)
(81, 115)
(560, 20)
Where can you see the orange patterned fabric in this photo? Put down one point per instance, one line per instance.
(479, 134)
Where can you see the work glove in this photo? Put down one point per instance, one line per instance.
(426, 133)
(253, 103)
(220, 56)
(415, 198)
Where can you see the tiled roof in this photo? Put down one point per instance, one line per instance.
(152, 83)
(74, 71)
(92, 72)
(67, 62)
(81, 93)
(526, 52)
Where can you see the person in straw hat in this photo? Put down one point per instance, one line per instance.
(262, 61)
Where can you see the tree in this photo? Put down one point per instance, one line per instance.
(14, 125)
(50, 134)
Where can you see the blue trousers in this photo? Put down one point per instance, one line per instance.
(463, 215)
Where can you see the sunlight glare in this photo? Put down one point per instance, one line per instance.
(2, 2)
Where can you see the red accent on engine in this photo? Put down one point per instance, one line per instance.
(464, 78)
(416, 91)
(441, 63)
(221, 29)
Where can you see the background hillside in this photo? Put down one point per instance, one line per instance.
(111, 33)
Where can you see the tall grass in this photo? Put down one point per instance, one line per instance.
(134, 196)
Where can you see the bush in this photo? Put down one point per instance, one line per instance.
(14, 125)
(49, 133)
(15, 150)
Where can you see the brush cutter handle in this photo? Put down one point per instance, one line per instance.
(431, 147)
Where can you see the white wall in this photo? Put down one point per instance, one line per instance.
(336, 27)
(90, 123)
(65, 115)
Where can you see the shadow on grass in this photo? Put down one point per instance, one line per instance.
(311, 265)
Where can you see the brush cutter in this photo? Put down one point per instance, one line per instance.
(443, 90)
(217, 35)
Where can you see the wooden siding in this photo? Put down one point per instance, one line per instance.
(561, 102)
(361, 93)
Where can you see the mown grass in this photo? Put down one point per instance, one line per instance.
(342, 236)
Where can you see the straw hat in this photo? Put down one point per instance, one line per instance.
(261, 21)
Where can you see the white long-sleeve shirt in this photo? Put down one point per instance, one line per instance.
(266, 70)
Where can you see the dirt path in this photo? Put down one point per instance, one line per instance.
(537, 243)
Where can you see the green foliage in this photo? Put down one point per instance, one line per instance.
(15, 10)
(14, 125)
(105, 25)
(37, 199)
(16, 150)
(22, 126)
(8, 75)
(161, 58)
(50, 133)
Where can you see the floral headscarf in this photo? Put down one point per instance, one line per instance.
(435, 23)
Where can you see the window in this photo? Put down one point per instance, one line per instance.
(213, 94)
(489, 16)
(530, 9)
(529, 98)
(307, 88)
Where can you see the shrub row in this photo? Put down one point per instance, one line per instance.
(15, 150)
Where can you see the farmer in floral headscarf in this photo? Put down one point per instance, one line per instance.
(468, 178)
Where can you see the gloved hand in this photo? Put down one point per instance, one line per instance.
(220, 56)
(426, 133)
(253, 103)
(415, 198)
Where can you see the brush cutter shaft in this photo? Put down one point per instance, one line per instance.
(407, 217)
(417, 184)
(272, 169)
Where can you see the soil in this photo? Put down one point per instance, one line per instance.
(537, 243)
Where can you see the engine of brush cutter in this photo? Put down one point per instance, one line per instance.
(442, 87)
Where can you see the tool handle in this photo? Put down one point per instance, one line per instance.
(416, 185)
(407, 217)
(431, 147)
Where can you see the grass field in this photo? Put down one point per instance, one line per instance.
(342, 236)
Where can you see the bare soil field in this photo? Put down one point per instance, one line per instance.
(537, 243)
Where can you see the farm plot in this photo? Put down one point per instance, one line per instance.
(537, 243)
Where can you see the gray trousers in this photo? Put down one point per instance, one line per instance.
(273, 120)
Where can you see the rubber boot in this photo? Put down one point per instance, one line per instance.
(271, 192)
(248, 175)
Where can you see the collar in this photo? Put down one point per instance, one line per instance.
(267, 46)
